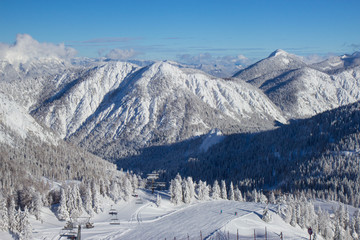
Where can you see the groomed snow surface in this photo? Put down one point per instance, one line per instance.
(140, 218)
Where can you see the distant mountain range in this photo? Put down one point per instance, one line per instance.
(302, 90)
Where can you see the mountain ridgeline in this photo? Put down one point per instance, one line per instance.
(278, 123)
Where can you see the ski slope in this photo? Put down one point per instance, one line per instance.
(147, 221)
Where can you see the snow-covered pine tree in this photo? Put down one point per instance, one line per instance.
(353, 232)
(78, 201)
(342, 216)
(206, 191)
(17, 223)
(356, 220)
(272, 199)
(288, 213)
(198, 190)
(223, 190)
(134, 182)
(254, 196)
(231, 192)
(12, 216)
(339, 232)
(158, 200)
(191, 187)
(266, 217)
(95, 198)
(4, 217)
(238, 195)
(300, 215)
(215, 191)
(310, 216)
(328, 233)
(24, 226)
(102, 187)
(114, 191)
(74, 202)
(293, 220)
(87, 199)
(186, 192)
(128, 190)
(262, 198)
(176, 191)
(62, 211)
(36, 205)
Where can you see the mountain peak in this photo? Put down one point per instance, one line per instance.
(278, 52)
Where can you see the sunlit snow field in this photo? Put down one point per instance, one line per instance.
(141, 218)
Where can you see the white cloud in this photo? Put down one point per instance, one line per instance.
(121, 54)
(26, 48)
(314, 58)
(207, 58)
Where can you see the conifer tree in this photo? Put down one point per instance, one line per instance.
(36, 205)
(176, 191)
(186, 192)
(87, 200)
(254, 195)
(293, 220)
(266, 217)
(272, 199)
(215, 191)
(288, 213)
(24, 226)
(223, 190)
(231, 192)
(158, 200)
(128, 190)
(238, 195)
(12, 216)
(62, 211)
(356, 220)
(191, 187)
(95, 199)
(4, 217)
(262, 198)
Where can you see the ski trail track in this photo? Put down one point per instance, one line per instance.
(182, 222)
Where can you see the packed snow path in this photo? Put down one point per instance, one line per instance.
(142, 220)
(205, 217)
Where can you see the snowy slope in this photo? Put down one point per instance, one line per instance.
(14, 118)
(147, 221)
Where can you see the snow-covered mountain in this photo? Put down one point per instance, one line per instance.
(277, 63)
(122, 104)
(338, 63)
(306, 91)
(302, 90)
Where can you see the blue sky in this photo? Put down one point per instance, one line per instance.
(172, 29)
